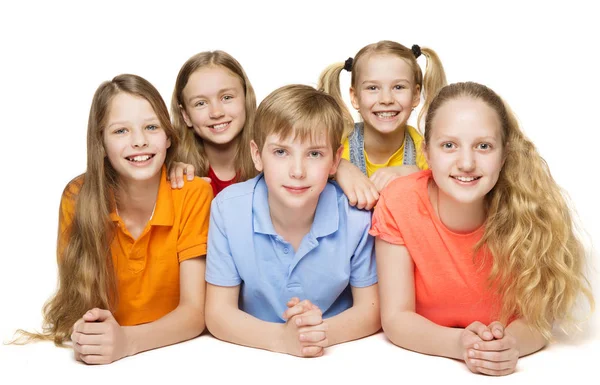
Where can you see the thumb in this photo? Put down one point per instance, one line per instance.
(97, 315)
(207, 179)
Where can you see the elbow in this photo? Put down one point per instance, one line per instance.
(196, 322)
(212, 321)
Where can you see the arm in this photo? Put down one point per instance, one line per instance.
(178, 170)
(361, 192)
(226, 322)
(99, 339)
(383, 176)
(361, 320)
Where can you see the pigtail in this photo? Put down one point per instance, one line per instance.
(329, 82)
(433, 80)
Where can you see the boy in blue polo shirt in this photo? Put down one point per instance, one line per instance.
(290, 265)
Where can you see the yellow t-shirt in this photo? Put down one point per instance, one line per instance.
(397, 157)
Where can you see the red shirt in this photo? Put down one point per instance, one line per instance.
(450, 287)
(218, 184)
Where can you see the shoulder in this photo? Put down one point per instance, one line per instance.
(407, 189)
(414, 134)
(354, 216)
(238, 190)
(72, 188)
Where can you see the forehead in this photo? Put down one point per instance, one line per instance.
(466, 117)
(127, 107)
(211, 80)
(312, 137)
(384, 67)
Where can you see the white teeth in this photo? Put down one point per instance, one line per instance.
(465, 178)
(140, 158)
(386, 114)
(220, 126)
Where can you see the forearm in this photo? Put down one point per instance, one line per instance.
(412, 331)
(183, 323)
(238, 327)
(528, 340)
(357, 322)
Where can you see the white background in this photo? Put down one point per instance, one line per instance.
(541, 58)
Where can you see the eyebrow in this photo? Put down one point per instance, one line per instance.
(312, 147)
(221, 91)
(393, 81)
(125, 122)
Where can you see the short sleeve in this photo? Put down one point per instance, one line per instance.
(363, 271)
(384, 225)
(193, 228)
(220, 266)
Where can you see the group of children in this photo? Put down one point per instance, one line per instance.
(469, 253)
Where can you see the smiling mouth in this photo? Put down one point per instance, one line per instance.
(219, 127)
(466, 179)
(139, 158)
(386, 114)
(296, 190)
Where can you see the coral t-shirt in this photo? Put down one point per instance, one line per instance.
(218, 184)
(451, 283)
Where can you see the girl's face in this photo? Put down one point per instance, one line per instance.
(465, 151)
(135, 143)
(385, 93)
(214, 105)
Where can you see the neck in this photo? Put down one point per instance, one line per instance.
(456, 216)
(292, 224)
(381, 146)
(221, 157)
(136, 199)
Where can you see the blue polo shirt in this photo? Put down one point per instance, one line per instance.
(244, 249)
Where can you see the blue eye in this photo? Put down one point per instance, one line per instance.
(279, 152)
(484, 146)
(120, 131)
(199, 103)
(151, 127)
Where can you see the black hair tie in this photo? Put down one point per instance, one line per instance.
(416, 50)
(348, 64)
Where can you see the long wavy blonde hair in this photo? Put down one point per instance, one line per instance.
(430, 84)
(538, 262)
(191, 150)
(86, 277)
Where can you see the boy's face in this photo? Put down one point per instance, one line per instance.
(295, 171)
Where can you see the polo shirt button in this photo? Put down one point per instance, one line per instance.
(286, 250)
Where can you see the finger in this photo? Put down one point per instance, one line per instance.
(322, 327)
(502, 365)
(372, 197)
(179, 176)
(92, 328)
(494, 345)
(94, 359)
(299, 308)
(481, 330)
(87, 339)
(207, 179)
(352, 199)
(312, 336)
(309, 320)
(497, 329)
(293, 302)
(361, 199)
(97, 315)
(189, 172)
(311, 351)
(492, 372)
(494, 356)
(88, 349)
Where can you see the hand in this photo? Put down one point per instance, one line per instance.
(98, 338)
(383, 176)
(361, 191)
(177, 171)
(305, 333)
(497, 357)
(474, 334)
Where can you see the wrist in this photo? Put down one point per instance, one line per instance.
(131, 346)
(278, 343)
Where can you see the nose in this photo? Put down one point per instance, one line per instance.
(139, 138)
(385, 96)
(297, 168)
(216, 111)
(466, 160)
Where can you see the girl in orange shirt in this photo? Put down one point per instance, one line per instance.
(130, 249)
(476, 257)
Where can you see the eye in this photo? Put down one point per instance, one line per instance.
(484, 146)
(120, 131)
(315, 154)
(152, 127)
(372, 88)
(279, 152)
(399, 87)
(448, 145)
(200, 103)
(227, 97)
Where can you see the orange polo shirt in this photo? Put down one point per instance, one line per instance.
(147, 268)
(450, 288)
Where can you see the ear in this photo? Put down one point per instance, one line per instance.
(354, 98)
(255, 152)
(186, 118)
(336, 160)
(416, 96)
(168, 142)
